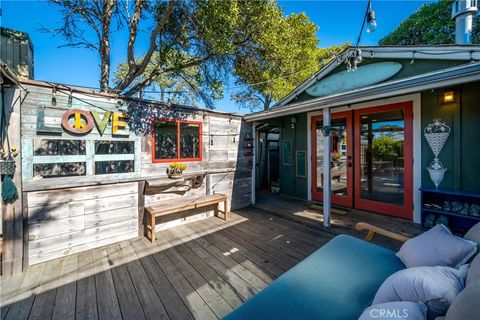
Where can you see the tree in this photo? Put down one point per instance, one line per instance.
(286, 55)
(184, 37)
(431, 24)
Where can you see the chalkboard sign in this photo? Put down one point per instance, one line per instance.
(287, 153)
(301, 162)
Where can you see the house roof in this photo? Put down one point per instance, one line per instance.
(427, 81)
(443, 52)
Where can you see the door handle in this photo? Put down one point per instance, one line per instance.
(349, 164)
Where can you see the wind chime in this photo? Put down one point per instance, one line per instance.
(436, 133)
(7, 163)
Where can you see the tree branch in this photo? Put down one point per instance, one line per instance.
(137, 70)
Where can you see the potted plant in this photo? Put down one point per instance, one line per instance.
(175, 170)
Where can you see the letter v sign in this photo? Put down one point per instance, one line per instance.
(101, 123)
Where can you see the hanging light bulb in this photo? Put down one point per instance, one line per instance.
(371, 22)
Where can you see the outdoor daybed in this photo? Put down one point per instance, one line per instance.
(340, 280)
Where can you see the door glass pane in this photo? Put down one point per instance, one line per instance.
(381, 157)
(338, 156)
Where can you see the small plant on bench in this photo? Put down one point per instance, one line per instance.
(175, 170)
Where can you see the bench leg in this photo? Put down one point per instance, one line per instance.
(150, 229)
(225, 210)
(216, 210)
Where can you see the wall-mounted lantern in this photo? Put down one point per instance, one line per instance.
(293, 121)
(448, 96)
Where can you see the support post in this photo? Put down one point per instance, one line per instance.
(326, 168)
(254, 162)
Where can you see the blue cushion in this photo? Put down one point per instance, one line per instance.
(338, 281)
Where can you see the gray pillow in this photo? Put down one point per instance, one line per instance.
(437, 287)
(473, 234)
(436, 247)
(473, 275)
(398, 310)
(466, 305)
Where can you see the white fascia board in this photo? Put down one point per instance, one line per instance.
(438, 79)
(453, 52)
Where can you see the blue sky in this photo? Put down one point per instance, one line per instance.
(338, 21)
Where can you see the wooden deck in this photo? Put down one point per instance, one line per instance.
(202, 270)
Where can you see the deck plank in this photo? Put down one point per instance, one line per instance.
(151, 304)
(20, 309)
(201, 270)
(127, 297)
(107, 302)
(64, 308)
(239, 255)
(209, 274)
(242, 271)
(241, 286)
(226, 244)
(190, 297)
(211, 297)
(86, 300)
(174, 305)
(44, 301)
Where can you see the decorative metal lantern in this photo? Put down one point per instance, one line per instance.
(436, 133)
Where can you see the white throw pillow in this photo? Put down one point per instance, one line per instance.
(437, 247)
(437, 287)
(398, 310)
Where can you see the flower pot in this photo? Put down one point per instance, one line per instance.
(175, 176)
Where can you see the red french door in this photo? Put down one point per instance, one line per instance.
(341, 161)
(384, 159)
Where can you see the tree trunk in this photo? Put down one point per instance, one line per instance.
(267, 102)
(108, 7)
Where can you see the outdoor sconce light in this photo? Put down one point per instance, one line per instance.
(54, 96)
(354, 58)
(448, 96)
(293, 121)
(371, 22)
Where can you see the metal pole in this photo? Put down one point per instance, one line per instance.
(326, 168)
(254, 161)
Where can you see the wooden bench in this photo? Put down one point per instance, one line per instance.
(160, 209)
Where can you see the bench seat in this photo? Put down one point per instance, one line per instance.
(336, 282)
(164, 208)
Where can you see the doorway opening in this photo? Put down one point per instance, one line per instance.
(268, 158)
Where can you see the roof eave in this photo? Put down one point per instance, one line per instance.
(438, 79)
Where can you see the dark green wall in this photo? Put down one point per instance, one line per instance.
(290, 184)
(461, 153)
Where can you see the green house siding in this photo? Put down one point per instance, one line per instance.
(461, 152)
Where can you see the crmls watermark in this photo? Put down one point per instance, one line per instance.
(389, 313)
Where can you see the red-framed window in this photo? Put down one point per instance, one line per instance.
(176, 140)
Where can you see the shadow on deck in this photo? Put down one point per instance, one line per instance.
(202, 270)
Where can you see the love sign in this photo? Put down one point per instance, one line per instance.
(82, 122)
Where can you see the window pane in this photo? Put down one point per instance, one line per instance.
(106, 167)
(381, 157)
(338, 156)
(114, 147)
(165, 140)
(56, 147)
(189, 140)
(52, 170)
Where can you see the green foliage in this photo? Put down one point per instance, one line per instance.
(429, 25)
(386, 148)
(285, 55)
